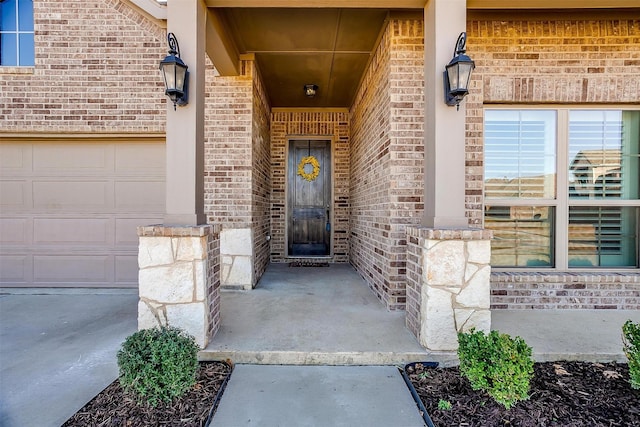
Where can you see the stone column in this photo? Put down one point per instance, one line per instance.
(179, 279)
(448, 284)
(237, 258)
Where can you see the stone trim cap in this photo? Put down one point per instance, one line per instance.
(175, 231)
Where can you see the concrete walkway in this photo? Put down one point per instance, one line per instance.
(58, 351)
(316, 396)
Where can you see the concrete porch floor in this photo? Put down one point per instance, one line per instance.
(328, 316)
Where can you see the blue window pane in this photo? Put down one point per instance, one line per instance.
(8, 15)
(25, 15)
(27, 54)
(8, 50)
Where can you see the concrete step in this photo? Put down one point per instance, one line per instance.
(341, 358)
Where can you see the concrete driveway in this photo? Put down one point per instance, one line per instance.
(58, 350)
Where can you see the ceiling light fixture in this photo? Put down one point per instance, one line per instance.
(310, 90)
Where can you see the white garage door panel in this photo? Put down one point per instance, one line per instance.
(55, 158)
(13, 231)
(127, 268)
(72, 196)
(76, 231)
(140, 159)
(69, 210)
(13, 195)
(72, 268)
(136, 196)
(14, 158)
(13, 268)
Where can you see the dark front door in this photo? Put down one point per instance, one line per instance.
(309, 198)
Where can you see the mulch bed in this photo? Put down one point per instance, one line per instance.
(562, 394)
(112, 407)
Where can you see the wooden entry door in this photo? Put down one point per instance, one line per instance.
(309, 200)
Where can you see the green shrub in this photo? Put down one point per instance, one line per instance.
(157, 365)
(444, 405)
(497, 364)
(631, 341)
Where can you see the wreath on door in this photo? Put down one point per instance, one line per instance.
(313, 162)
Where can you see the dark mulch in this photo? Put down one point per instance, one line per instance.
(112, 407)
(562, 394)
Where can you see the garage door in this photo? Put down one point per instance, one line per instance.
(69, 209)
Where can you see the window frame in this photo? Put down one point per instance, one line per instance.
(562, 202)
(17, 32)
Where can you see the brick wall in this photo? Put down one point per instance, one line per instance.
(237, 157)
(213, 281)
(333, 125)
(541, 58)
(229, 148)
(76, 85)
(387, 157)
(261, 176)
(565, 291)
(414, 263)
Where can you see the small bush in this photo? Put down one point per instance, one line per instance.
(157, 365)
(631, 341)
(444, 405)
(498, 364)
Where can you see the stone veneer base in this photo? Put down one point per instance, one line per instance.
(237, 258)
(179, 279)
(448, 284)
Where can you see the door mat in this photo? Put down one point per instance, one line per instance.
(308, 264)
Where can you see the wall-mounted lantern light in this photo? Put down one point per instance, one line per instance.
(175, 74)
(310, 90)
(457, 74)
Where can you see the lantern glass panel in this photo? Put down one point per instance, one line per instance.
(181, 72)
(168, 71)
(465, 69)
(453, 72)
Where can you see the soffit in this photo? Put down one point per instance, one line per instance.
(552, 4)
(293, 47)
(419, 4)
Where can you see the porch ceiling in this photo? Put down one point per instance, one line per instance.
(298, 42)
(297, 46)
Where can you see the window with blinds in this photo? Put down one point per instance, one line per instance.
(603, 164)
(601, 236)
(522, 235)
(520, 154)
(593, 221)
